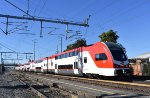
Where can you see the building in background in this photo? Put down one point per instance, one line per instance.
(144, 56)
(141, 64)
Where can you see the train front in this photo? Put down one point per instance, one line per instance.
(120, 60)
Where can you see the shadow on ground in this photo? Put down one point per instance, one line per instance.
(15, 87)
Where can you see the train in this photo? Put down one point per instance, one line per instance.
(96, 60)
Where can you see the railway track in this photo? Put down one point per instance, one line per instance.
(129, 86)
(42, 90)
(31, 86)
(125, 86)
(52, 90)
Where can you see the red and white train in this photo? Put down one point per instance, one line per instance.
(99, 59)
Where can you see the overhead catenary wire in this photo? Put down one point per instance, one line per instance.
(18, 8)
(7, 48)
(133, 18)
(105, 7)
(37, 6)
(44, 4)
(12, 50)
(85, 6)
(117, 15)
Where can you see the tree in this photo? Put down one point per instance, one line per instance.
(109, 36)
(77, 44)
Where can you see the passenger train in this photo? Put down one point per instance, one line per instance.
(99, 59)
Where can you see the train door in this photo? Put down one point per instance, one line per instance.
(76, 68)
(56, 68)
(52, 69)
(49, 66)
(85, 63)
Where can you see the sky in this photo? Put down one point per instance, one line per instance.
(129, 18)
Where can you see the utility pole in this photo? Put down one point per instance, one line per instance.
(57, 50)
(34, 48)
(61, 42)
(59, 36)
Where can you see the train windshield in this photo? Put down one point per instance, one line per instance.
(116, 51)
(118, 55)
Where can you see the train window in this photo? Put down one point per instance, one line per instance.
(76, 52)
(70, 54)
(85, 59)
(75, 65)
(118, 55)
(65, 66)
(55, 66)
(51, 63)
(59, 56)
(66, 55)
(63, 55)
(69, 66)
(101, 56)
(73, 53)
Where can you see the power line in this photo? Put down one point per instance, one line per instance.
(7, 48)
(116, 16)
(37, 6)
(102, 9)
(13, 50)
(42, 7)
(2, 30)
(134, 17)
(18, 8)
(89, 3)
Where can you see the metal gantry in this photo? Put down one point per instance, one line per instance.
(2, 59)
(41, 20)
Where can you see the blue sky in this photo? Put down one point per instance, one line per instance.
(131, 19)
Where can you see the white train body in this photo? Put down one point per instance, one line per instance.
(99, 59)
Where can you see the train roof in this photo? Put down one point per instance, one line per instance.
(75, 49)
(112, 45)
(109, 44)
